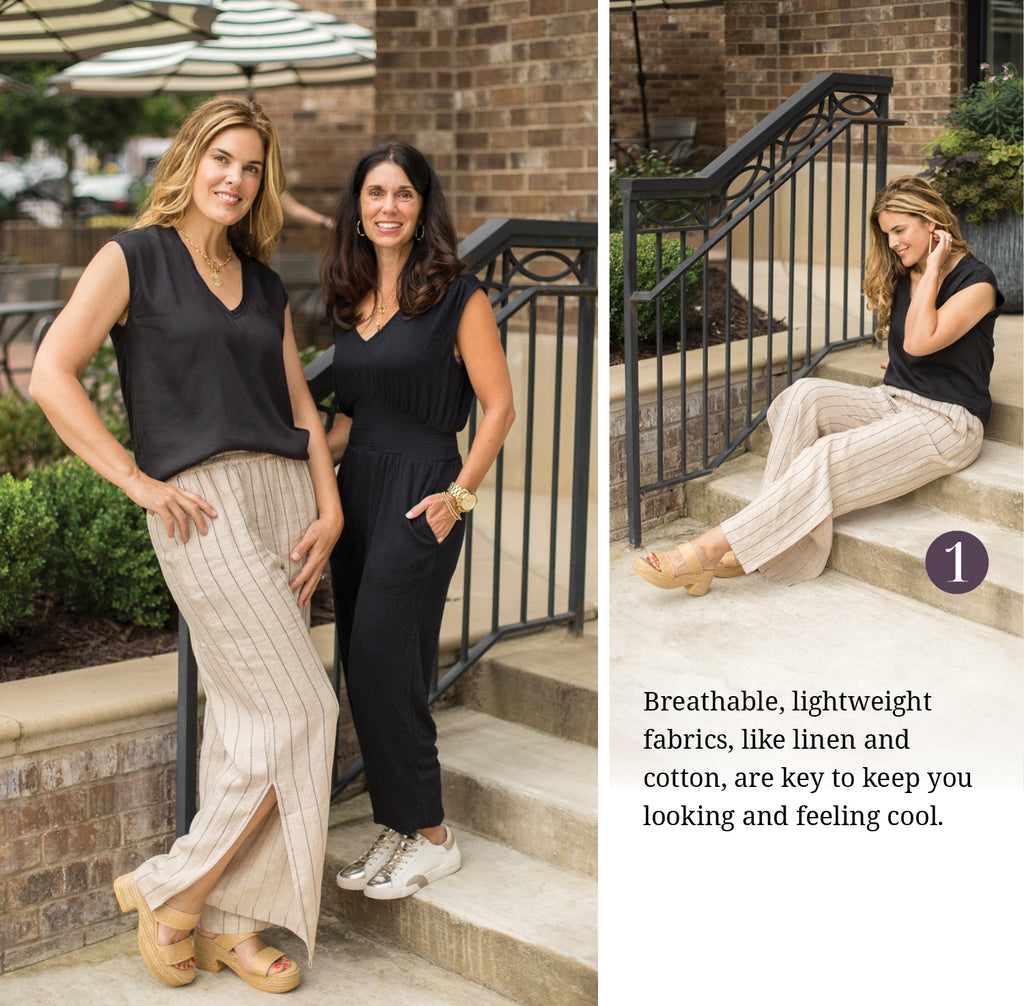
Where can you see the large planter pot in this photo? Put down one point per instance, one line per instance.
(1000, 245)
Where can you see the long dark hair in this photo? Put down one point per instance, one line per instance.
(348, 270)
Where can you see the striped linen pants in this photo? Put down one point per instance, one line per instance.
(271, 712)
(837, 448)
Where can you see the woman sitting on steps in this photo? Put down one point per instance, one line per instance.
(837, 448)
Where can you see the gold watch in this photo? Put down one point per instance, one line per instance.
(464, 499)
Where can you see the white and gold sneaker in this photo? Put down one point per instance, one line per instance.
(415, 863)
(354, 877)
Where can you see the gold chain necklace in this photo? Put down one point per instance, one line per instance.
(215, 267)
(382, 310)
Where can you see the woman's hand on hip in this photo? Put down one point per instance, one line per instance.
(314, 551)
(173, 505)
(439, 516)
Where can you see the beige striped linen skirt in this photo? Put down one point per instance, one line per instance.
(837, 448)
(271, 712)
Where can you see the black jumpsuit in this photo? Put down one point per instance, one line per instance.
(408, 396)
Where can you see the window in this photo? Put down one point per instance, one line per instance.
(995, 29)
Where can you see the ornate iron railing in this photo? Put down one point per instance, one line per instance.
(541, 279)
(748, 196)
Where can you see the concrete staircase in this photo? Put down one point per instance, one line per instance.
(518, 751)
(885, 545)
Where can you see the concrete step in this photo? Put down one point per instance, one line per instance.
(990, 489)
(350, 969)
(886, 545)
(515, 924)
(547, 681)
(527, 789)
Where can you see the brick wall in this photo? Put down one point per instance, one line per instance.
(734, 63)
(683, 55)
(773, 49)
(501, 96)
(73, 818)
(662, 505)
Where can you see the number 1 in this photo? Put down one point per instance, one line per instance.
(957, 578)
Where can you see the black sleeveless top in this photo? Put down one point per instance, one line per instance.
(197, 378)
(958, 373)
(408, 368)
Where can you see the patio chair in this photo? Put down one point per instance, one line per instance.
(29, 298)
(673, 137)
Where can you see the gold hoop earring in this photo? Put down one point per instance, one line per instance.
(359, 228)
(420, 231)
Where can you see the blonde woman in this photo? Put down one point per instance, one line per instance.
(837, 448)
(233, 469)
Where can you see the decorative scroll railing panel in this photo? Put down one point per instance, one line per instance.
(781, 212)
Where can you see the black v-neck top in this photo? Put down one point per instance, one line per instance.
(199, 378)
(409, 366)
(960, 372)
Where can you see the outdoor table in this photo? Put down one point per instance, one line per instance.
(17, 317)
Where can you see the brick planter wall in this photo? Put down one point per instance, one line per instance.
(82, 802)
(660, 506)
(74, 820)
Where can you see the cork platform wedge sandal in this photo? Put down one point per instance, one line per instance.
(729, 566)
(695, 578)
(160, 960)
(213, 953)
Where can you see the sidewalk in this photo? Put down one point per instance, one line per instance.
(350, 970)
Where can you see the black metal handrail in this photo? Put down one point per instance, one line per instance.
(734, 197)
(541, 279)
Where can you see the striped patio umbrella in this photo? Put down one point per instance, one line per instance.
(64, 31)
(258, 44)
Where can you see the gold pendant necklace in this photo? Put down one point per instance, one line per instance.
(215, 267)
(381, 311)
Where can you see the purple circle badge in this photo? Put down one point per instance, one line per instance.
(956, 562)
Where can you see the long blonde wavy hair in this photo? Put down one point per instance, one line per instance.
(914, 196)
(258, 232)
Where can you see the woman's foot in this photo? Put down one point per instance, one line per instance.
(416, 862)
(678, 562)
(259, 966)
(163, 934)
(247, 950)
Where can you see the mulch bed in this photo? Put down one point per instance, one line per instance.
(719, 292)
(56, 638)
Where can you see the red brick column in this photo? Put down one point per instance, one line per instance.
(502, 97)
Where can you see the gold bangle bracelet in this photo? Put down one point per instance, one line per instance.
(451, 509)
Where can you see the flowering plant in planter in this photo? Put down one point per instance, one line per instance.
(975, 164)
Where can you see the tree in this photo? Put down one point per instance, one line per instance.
(104, 124)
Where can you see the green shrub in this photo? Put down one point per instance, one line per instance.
(27, 440)
(25, 534)
(102, 561)
(976, 163)
(673, 334)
